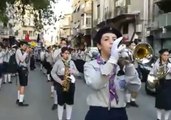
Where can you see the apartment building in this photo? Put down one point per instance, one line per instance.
(65, 26)
(81, 22)
(24, 30)
(131, 17)
(160, 25)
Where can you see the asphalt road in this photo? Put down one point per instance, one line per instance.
(38, 96)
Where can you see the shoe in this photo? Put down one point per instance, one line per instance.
(64, 107)
(54, 107)
(128, 104)
(21, 104)
(17, 101)
(10, 82)
(134, 104)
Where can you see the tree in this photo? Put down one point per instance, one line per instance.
(15, 10)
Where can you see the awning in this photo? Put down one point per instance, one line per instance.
(119, 20)
(163, 5)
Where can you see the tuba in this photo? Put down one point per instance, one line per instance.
(67, 80)
(143, 53)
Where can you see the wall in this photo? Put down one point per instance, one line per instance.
(21, 35)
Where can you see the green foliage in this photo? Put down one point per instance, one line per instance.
(42, 6)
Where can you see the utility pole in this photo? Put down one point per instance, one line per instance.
(92, 23)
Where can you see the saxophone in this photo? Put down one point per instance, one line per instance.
(67, 80)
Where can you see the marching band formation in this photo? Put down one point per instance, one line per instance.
(112, 75)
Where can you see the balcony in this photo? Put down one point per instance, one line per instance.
(164, 20)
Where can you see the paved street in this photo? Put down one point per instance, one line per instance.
(38, 96)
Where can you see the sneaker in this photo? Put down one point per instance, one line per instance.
(17, 101)
(54, 107)
(48, 81)
(134, 104)
(4, 82)
(21, 104)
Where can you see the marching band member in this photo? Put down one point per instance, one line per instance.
(42, 59)
(49, 62)
(163, 96)
(7, 75)
(109, 80)
(59, 74)
(2, 54)
(22, 59)
(131, 96)
(56, 56)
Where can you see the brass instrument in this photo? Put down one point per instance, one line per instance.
(143, 53)
(162, 71)
(67, 80)
(153, 80)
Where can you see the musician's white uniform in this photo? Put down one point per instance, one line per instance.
(96, 77)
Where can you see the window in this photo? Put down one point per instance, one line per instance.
(31, 33)
(88, 22)
(82, 20)
(24, 32)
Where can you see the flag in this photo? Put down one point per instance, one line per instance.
(27, 37)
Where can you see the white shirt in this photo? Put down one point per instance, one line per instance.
(56, 55)
(2, 53)
(42, 55)
(20, 58)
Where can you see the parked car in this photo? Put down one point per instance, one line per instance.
(145, 69)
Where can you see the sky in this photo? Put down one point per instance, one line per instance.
(58, 8)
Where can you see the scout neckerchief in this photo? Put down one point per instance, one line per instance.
(112, 88)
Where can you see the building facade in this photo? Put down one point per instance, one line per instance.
(160, 25)
(81, 22)
(141, 20)
(65, 26)
(128, 16)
